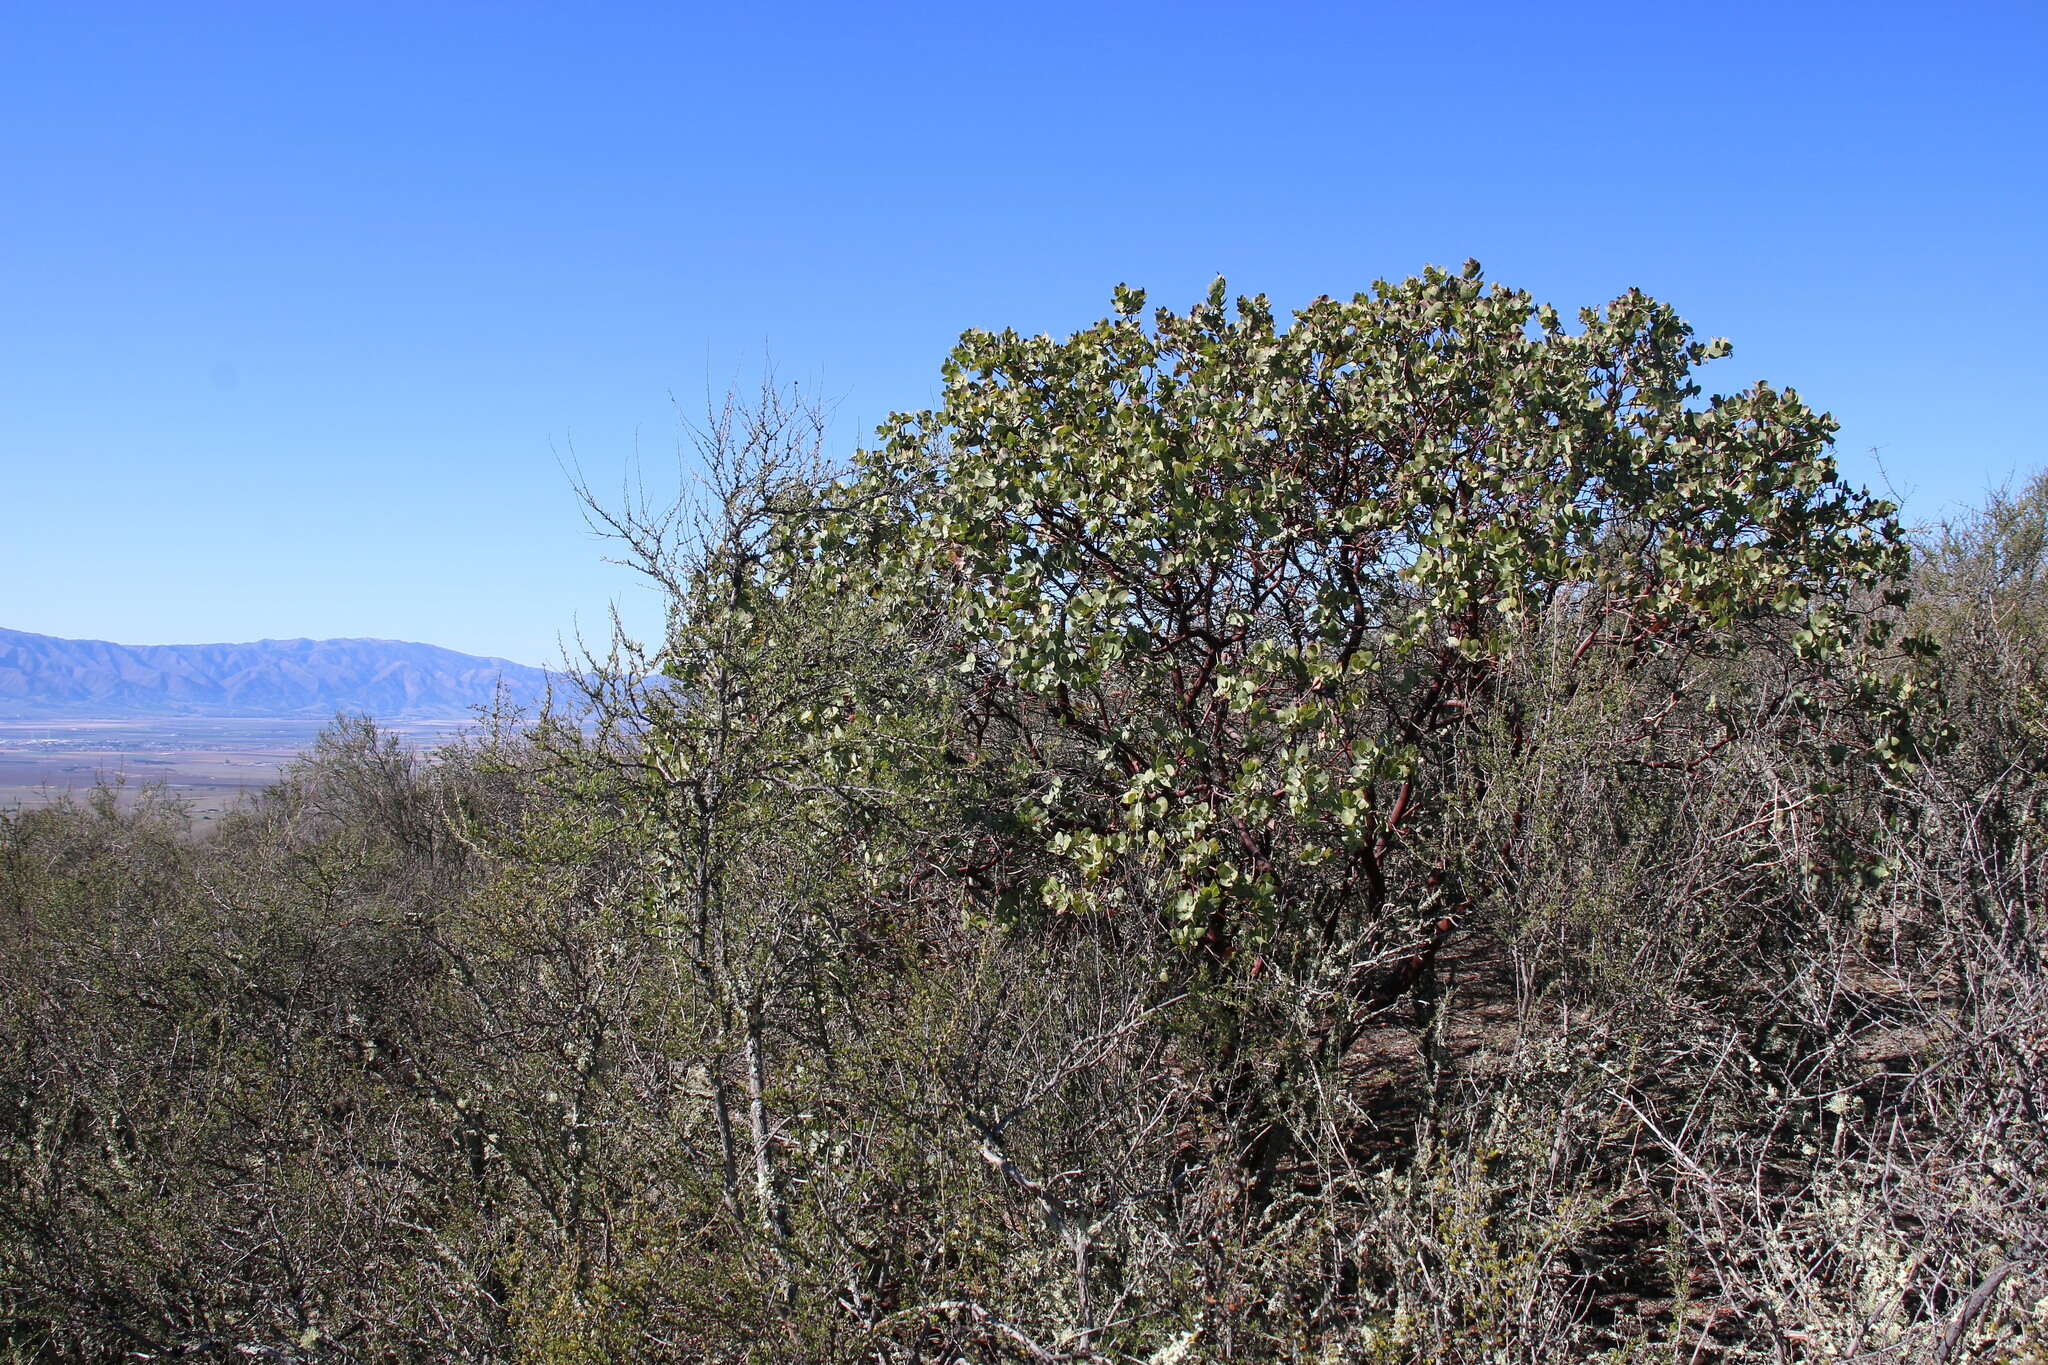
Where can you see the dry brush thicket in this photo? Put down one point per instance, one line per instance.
(872, 979)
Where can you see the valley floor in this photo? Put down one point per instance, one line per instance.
(208, 762)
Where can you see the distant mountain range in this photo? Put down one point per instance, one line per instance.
(44, 677)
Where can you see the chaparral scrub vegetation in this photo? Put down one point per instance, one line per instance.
(1407, 836)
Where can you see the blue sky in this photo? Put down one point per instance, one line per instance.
(301, 307)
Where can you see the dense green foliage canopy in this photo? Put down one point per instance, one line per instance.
(1257, 579)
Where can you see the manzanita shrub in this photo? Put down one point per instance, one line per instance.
(1231, 590)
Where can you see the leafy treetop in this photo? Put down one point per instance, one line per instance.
(1235, 584)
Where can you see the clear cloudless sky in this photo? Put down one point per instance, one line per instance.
(303, 308)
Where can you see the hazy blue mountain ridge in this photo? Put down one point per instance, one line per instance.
(46, 676)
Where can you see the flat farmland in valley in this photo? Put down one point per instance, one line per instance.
(207, 763)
